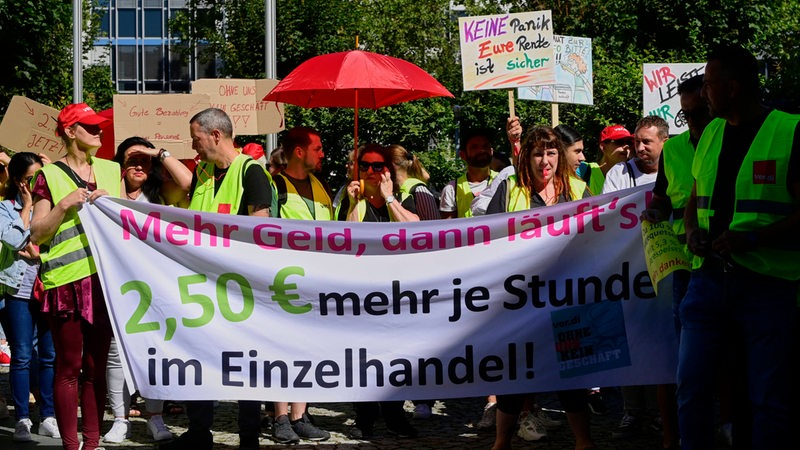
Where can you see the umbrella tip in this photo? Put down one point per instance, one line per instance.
(356, 42)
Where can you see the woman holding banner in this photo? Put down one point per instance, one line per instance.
(377, 204)
(544, 177)
(73, 299)
(154, 176)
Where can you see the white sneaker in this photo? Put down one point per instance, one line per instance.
(546, 420)
(157, 428)
(487, 419)
(531, 428)
(22, 431)
(49, 427)
(422, 411)
(120, 431)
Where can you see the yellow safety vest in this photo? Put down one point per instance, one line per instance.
(464, 195)
(229, 195)
(297, 208)
(519, 199)
(761, 194)
(678, 157)
(66, 257)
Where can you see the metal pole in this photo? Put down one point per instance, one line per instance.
(269, 57)
(77, 53)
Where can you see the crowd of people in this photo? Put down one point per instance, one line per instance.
(735, 311)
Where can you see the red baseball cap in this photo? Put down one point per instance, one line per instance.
(253, 150)
(615, 132)
(77, 113)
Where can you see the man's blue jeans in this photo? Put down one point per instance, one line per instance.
(746, 322)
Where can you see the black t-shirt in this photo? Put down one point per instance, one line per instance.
(256, 190)
(736, 141)
(303, 187)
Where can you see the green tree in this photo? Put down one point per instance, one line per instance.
(37, 36)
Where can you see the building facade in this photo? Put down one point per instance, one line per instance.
(144, 58)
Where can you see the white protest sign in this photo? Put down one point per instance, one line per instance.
(573, 69)
(660, 91)
(506, 51)
(377, 311)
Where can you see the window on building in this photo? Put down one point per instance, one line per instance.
(153, 20)
(126, 62)
(126, 22)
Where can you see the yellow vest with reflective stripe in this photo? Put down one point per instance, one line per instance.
(519, 199)
(464, 195)
(297, 208)
(66, 257)
(678, 157)
(761, 195)
(229, 195)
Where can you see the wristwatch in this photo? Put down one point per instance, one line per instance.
(163, 154)
(389, 200)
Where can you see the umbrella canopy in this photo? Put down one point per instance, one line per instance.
(338, 79)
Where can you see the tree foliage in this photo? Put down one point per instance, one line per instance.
(37, 36)
(625, 33)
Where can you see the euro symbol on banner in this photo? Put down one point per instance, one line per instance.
(280, 288)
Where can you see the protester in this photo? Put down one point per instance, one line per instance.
(543, 178)
(616, 146)
(671, 192)
(377, 203)
(229, 182)
(513, 132)
(741, 222)
(650, 135)
(301, 196)
(255, 151)
(477, 152)
(412, 178)
(28, 331)
(150, 175)
(73, 299)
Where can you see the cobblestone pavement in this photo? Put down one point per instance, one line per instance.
(450, 427)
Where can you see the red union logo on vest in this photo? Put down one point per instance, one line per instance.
(764, 172)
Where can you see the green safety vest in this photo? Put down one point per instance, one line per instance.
(519, 199)
(678, 156)
(596, 178)
(296, 207)
(761, 195)
(229, 195)
(464, 195)
(66, 257)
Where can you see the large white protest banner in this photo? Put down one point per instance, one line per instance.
(210, 306)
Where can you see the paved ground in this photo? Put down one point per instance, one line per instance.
(451, 427)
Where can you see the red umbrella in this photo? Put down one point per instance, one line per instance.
(355, 79)
(107, 150)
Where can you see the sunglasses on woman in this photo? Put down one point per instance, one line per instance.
(376, 166)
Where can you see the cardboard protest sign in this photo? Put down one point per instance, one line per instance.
(506, 51)
(163, 119)
(241, 99)
(573, 72)
(29, 126)
(660, 91)
(663, 251)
